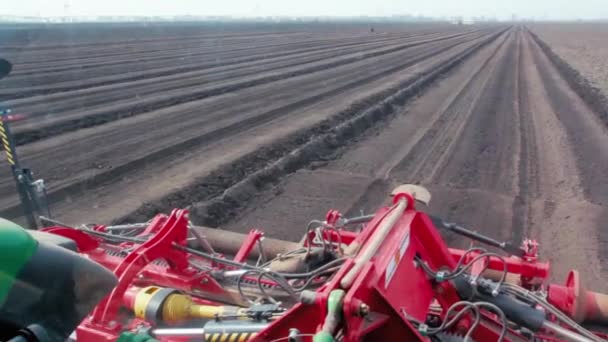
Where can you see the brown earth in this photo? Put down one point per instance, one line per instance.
(271, 127)
(581, 45)
(179, 135)
(504, 145)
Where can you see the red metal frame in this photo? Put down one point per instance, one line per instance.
(580, 304)
(383, 285)
(391, 308)
(138, 269)
(252, 239)
(528, 271)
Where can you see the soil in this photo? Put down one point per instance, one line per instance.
(504, 145)
(271, 126)
(110, 170)
(582, 45)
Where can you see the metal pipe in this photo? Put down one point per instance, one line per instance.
(358, 219)
(505, 246)
(127, 226)
(227, 242)
(384, 227)
(496, 275)
(234, 273)
(178, 332)
(202, 241)
(569, 334)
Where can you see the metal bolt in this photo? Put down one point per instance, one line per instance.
(294, 335)
(308, 297)
(363, 310)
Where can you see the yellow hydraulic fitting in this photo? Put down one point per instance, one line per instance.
(167, 305)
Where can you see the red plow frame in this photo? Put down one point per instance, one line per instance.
(397, 280)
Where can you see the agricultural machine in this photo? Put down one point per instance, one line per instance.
(383, 277)
(388, 276)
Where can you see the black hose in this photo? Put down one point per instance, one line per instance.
(517, 312)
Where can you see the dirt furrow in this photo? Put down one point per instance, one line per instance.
(218, 125)
(41, 82)
(428, 156)
(30, 60)
(511, 142)
(355, 180)
(112, 42)
(527, 157)
(28, 133)
(593, 97)
(572, 208)
(512, 151)
(167, 56)
(366, 85)
(193, 52)
(61, 103)
(149, 70)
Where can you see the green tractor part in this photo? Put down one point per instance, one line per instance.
(44, 284)
(333, 318)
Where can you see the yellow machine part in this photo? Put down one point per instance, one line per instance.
(176, 307)
(229, 337)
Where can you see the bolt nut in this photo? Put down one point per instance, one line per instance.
(440, 276)
(308, 297)
(363, 310)
(294, 335)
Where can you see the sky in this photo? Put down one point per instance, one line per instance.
(501, 9)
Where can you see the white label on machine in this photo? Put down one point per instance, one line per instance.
(396, 259)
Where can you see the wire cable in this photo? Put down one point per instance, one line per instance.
(310, 227)
(467, 307)
(330, 264)
(284, 256)
(462, 269)
(279, 278)
(448, 322)
(520, 291)
(119, 238)
(311, 279)
(501, 314)
(467, 252)
(276, 278)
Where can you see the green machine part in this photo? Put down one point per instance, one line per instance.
(44, 283)
(17, 248)
(135, 337)
(333, 318)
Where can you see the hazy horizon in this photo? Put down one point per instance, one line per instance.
(538, 9)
